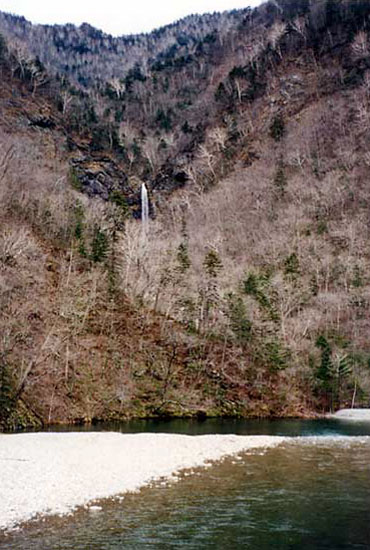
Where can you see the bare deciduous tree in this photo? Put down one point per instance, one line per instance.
(360, 45)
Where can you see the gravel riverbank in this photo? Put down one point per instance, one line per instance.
(53, 473)
(352, 414)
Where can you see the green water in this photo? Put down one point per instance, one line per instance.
(313, 492)
(289, 427)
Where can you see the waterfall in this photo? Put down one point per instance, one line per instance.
(144, 208)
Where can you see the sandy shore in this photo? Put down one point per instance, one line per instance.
(352, 414)
(53, 473)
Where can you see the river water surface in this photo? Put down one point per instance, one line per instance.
(312, 492)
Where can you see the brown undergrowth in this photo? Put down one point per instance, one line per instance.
(248, 295)
(74, 346)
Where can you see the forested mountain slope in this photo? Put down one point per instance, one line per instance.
(250, 293)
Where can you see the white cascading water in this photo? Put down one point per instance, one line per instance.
(144, 208)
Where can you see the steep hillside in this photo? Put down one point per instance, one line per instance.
(249, 294)
(75, 346)
(156, 101)
(176, 105)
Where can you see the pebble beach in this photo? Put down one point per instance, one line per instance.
(54, 473)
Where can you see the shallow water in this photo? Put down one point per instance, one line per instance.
(313, 492)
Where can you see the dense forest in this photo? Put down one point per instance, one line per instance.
(249, 293)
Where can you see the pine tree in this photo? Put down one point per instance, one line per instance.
(238, 318)
(7, 393)
(99, 245)
(280, 179)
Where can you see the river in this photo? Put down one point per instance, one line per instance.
(312, 492)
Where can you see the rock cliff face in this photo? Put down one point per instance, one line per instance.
(100, 176)
(249, 293)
